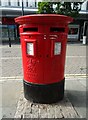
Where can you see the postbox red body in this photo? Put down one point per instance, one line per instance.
(43, 41)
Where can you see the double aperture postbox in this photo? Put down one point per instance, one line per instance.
(43, 41)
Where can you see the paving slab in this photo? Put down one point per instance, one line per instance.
(62, 109)
(76, 93)
(10, 94)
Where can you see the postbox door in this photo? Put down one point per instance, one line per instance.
(33, 62)
(54, 57)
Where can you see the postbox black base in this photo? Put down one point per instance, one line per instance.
(46, 94)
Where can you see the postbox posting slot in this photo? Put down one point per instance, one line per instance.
(32, 29)
(57, 29)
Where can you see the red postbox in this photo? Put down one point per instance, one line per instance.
(43, 41)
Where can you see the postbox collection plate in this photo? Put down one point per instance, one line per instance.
(57, 48)
(30, 48)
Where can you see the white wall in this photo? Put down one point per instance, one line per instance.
(4, 2)
(84, 5)
(13, 2)
(31, 3)
(20, 1)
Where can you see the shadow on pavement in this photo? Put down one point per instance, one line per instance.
(78, 97)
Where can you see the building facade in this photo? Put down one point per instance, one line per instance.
(79, 27)
(11, 9)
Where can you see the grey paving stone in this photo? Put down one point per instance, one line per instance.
(10, 94)
(76, 50)
(62, 109)
(12, 67)
(11, 52)
(76, 92)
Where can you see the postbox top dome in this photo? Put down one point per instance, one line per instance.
(43, 19)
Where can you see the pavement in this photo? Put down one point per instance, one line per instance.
(11, 84)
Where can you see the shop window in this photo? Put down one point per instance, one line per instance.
(0, 2)
(9, 2)
(27, 4)
(73, 31)
(18, 3)
(87, 5)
